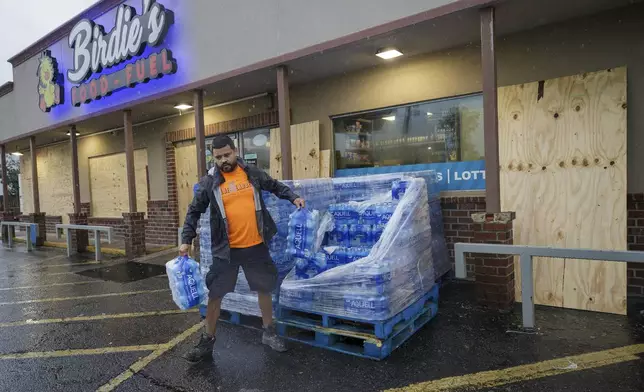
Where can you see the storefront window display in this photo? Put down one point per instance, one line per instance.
(446, 130)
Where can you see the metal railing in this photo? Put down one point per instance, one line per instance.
(526, 253)
(97, 230)
(30, 230)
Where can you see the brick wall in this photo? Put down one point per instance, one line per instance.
(161, 227)
(458, 228)
(118, 227)
(636, 243)
(171, 178)
(457, 219)
(51, 222)
(85, 209)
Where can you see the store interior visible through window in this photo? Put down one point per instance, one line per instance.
(446, 130)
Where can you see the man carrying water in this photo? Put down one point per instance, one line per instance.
(241, 229)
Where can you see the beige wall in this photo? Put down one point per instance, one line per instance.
(152, 138)
(609, 40)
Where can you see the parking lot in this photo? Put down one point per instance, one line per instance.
(77, 325)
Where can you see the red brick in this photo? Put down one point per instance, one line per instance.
(484, 236)
(637, 196)
(635, 290)
(497, 226)
(483, 270)
(466, 233)
(636, 214)
(637, 247)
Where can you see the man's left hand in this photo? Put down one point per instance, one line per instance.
(299, 202)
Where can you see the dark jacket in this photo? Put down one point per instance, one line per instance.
(208, 193)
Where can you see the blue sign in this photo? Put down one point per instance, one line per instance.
(452, 176)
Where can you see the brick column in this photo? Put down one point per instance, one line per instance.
(41, 235)
(79, 238)
(134, 223)
(494, 273)
(7, 217)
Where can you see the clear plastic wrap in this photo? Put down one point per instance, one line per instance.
(355, 281)
(397, 271)
(186, 282)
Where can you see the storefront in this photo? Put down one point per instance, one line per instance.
(143, 110)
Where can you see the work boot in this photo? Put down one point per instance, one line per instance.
(203, 349)
(271, 339)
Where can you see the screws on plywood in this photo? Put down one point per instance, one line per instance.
(516, 116)
(556, 115)
(612, 163)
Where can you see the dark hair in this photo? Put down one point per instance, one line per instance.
(222, 141)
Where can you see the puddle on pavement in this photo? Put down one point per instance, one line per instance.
(125, 272)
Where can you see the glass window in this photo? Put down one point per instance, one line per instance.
(256, 148)
(444, 130)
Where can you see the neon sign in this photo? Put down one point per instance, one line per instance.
(94, 51)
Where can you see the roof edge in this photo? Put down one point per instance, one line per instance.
(6, 89)
(96, 10)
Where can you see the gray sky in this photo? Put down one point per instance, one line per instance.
(26, 21)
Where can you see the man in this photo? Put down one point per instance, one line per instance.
(241, 229)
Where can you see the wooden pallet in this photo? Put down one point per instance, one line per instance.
(350, 337)
(379, 329)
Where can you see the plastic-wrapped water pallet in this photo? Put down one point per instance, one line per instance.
(372, 340)
(398, 270)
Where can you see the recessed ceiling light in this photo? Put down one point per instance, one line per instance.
(17, 153)
(69, 133)
(388, 54)
(183, 106)
(429, 114)
(389, 118)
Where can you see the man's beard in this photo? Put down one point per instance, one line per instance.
(228, 167)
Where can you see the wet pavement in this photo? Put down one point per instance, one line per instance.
(72, 325)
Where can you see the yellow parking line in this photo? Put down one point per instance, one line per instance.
(143, 362)
(95, 318)
(71, 353)
(533, 371)
(49, 285)
(41, 300)
(59, 265)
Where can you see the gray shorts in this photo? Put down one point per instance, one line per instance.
(258, 266)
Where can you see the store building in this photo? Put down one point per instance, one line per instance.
(304, 89)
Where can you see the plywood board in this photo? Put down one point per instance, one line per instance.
(305, 151)
(54, 181)
(108, 184)
(562, 149)
(325, 164)
(186, 161)
(276, 154)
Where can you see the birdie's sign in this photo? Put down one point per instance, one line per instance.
(94, 51)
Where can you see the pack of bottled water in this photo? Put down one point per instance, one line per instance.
(379, 256)
(186, 282)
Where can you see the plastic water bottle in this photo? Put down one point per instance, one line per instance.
(377, 231)
(186, 282)
(398, 189)
(302, 233)
(340, 236)
(361, 236)
(368, 307)
(384, 212)
(336, 257)
(368, 216)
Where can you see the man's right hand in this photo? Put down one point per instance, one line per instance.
(184, 250)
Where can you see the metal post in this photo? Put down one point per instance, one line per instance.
(97, 245)
(75, 175)
(129, 159)
(5, 185)
(34, 175)
(284, 108)
(527, 290)
(490, 113)
(200, 133)
(68, 239)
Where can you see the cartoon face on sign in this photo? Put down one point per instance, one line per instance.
(49, 91)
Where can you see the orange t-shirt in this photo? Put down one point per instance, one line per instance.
(239, 203)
